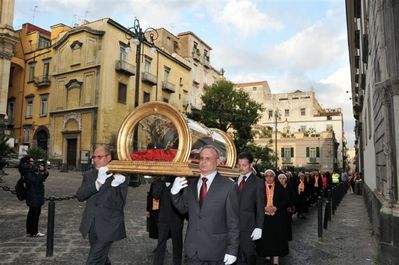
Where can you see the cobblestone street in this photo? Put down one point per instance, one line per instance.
(348, 240)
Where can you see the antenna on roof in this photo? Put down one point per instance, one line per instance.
(86, 13)
(34, 13)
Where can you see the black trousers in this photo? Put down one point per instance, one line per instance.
(164, 232)
(32, 220)
(98, 254)
(196, 261)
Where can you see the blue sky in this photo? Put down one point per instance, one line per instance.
(293, 44)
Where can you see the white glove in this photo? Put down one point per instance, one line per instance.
(178, 184)
(256, 234)
(102, 175)
(118, 180)
(229, 259)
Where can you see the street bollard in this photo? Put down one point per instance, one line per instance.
(320, 218)
(50, 227)
(329, 195)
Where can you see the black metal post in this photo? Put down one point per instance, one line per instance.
(50, 227)
(329, 204)
(320, 218)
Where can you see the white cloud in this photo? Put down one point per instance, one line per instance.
(243, 17)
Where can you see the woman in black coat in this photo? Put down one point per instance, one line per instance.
(34, 177)
(273, 243)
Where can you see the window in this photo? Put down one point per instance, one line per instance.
(146, 97)
(46, 70)
(303, 129)
(329, 127)
(44, 43)
(165, 100)
(312, 152)
(329, 118)
(11, 76)
(26, 135)
(286, 154)
(270, 114)
(147, 64)
(29, 106)
(166, 73)
(254, 88)
(303, 111)
(123, 54)
(43, 105)
(11, 111)
(195, 72)
(122, 93)
(287, 112)
(31, 72)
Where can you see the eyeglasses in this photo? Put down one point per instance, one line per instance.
(99, 157)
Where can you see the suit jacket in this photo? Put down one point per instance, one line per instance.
(213, 229)
(103, 207)
(251, 204)
(168, 214)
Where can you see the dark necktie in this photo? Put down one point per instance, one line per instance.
(242, 183)
(203, 191)
(270, 186)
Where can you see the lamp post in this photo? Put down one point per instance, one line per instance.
(276, 116)
(139, 39)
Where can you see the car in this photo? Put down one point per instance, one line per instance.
(12, 160)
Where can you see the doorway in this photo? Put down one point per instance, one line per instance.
(72, 145)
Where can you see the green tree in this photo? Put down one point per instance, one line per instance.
(263, 156)
(226, 108)
(37, 153)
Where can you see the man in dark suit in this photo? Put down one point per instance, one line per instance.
(251, 197)
(103, 217)
(211, 201)
(170, 223)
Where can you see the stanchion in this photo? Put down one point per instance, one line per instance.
(326, 214)
(50, 227)
(329, 196)
(320, 218)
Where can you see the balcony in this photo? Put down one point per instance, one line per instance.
(125, 68)
(287, 160)
(313, 160)
(196, 55)
(148, 78)
(207, 63)
(42, 81)
(167, 86)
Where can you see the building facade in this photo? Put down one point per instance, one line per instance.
(8, 40)
(299, 111)
(373, 39)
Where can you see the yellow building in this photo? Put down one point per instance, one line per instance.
(93, 85)
(29, 87)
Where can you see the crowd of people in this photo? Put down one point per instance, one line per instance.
(240, 220)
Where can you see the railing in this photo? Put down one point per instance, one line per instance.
(168, 86)
(149, 78)
(313, 160)
(42, 81)
(125, 67)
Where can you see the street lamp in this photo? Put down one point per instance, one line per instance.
(139, 38)
(276, 116)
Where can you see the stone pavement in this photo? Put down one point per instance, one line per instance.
(347, 241)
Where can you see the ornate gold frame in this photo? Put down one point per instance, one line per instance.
(180, 166)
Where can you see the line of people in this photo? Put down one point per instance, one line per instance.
(238, 221)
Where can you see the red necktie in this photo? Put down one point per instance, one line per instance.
(203, 191)
(242, 183)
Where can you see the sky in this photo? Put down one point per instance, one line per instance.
(293, 44)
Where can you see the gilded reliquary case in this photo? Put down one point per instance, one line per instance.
(156, 139)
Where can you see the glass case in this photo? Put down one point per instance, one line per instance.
(158, 139)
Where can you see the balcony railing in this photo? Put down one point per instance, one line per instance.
(42, 81)
(125, 68)
(168, 86)
(287, 160)
(149, 78)
(196, 55)
(207, 63)
(313, 160)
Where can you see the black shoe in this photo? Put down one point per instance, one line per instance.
(107, 261)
